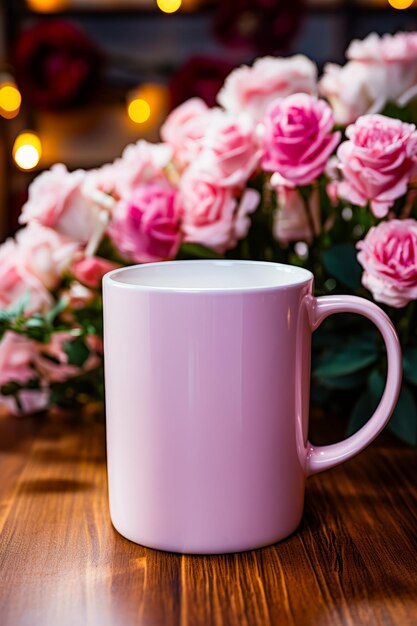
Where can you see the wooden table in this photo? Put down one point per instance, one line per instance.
(352, 562)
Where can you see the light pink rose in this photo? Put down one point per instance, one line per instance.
(380, 69)
(45, 253)
(211, 215)
(91, 269)
(78, 296)
(354, 89)
(16, 357)
(146, 227)
(56, 200)
(250, 90)
(291, 222)
(231, 150)
(184, 130)
(142, 162)
(16, 281)
(297, 139)
(377, 162)
(388, 255)
(398, 47)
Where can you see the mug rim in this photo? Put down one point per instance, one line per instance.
(301, 276)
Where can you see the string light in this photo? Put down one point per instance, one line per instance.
(10, 99)
(169, 6)
(27, 150)
(401, 4)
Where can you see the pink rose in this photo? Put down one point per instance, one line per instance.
(377, 162)
(231, 150)
(291, 222)
(388, 255)
(250, 90)
(184, 130)
(297, 139)
(145, 227)
(16, 357)
(51, 360)
(56, 200)
(211, 215)
(90, 270)
(45, 253)
(16, 281)
(142, 162)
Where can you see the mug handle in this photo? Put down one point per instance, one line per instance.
(320, 458)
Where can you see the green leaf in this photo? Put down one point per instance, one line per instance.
(410, 365)
(347, 359)
(403, 423)
(340, 262)
(361, 412)
(195, 250)
(56, 310)
(349, 381)
(77, 351)
(376, 385)
(35, 322)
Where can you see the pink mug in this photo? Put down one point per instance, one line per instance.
(207, 371)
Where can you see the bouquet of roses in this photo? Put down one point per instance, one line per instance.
(288, 168)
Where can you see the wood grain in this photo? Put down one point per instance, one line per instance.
(353, 560)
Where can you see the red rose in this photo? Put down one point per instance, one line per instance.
(57, 66)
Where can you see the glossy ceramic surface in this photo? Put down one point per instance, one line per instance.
(207, 367)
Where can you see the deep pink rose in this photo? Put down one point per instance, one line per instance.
(231, 150)
(251, 90)
(16, 358)
(184, 130)
(56, 200)
(90, 270)
(45, 253)
(16, 281)
(377, 162)
(291, 222)
(297, 139)
(388, 255)
(145, 227)
(211, 215)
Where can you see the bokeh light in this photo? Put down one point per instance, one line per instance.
(139, 110)
(401, 4)
(10, 100)
(148, 104)
(27, 150)
(169, 6)
(47, 6)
